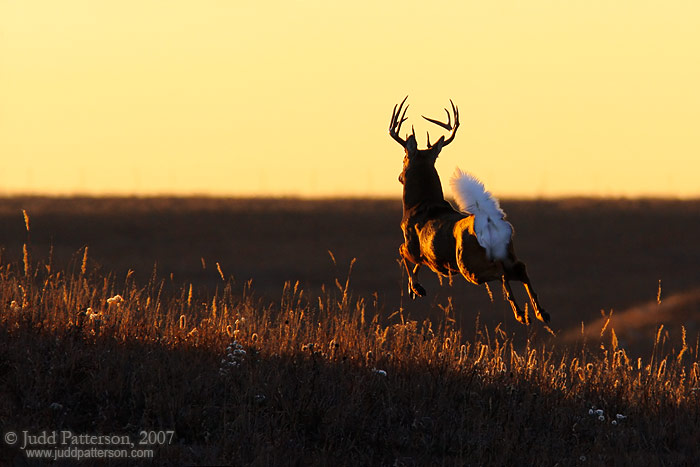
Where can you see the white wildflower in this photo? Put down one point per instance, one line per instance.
(234, 357)
(620, 416)
(116, 300)
(56, 406)
(92, 315)
(599, 412)
(614, 422)
(590, 412)
(601, 418)
(379, 372)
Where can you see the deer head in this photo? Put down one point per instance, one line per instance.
(421, 159)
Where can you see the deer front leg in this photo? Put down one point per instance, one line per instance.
(414, 288)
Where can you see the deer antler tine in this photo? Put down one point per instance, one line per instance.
(438, 123)
(428, 137)
(397, 119)
(455, 111)
(399, 110)
(403, 116)
(446, 126)
(449, 126)
(394, 117)
(449, 123)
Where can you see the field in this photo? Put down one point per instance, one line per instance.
(278, 332)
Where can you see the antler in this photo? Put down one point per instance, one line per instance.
(396, 121)
(447, 126)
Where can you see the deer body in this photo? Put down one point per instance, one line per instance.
(476, 245)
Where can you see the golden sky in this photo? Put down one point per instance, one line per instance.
(294, 98)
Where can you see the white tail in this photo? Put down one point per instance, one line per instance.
(492, 231)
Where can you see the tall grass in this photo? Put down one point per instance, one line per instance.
(321, 379)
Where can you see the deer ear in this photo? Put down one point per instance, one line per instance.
(411, 144)
(437, 147)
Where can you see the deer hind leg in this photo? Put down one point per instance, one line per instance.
(414, 288)
(520, 315)
(539, 312)
(519, 272)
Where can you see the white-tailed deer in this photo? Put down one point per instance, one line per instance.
(476, 242)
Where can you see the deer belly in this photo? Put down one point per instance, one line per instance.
(437, 245)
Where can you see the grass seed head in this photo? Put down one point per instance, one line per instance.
(26, 219)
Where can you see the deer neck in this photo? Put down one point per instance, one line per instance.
(421, 188)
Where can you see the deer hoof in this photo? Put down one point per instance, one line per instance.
(418, 290)
(522, 318)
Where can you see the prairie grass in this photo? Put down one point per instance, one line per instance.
(321, 379)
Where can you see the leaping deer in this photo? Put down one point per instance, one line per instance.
(476, 242)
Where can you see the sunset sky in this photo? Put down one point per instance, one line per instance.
(294, 98)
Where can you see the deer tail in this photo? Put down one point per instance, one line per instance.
(492, 231)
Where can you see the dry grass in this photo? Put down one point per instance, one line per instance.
(638, 326)
(582, 255)
(322, 379)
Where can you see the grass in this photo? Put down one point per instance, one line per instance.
(322, 378)
(582, 255)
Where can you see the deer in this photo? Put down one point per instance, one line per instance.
(475, 241)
